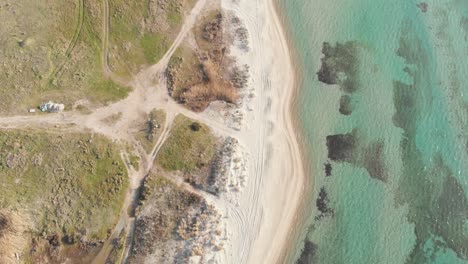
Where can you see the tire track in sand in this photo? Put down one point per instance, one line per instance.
(73, 42)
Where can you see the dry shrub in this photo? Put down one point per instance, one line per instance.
(12, 236)
(213, 88)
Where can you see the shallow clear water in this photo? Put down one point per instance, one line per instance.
(398, 190)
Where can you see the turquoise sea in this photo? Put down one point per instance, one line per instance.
(383, 105)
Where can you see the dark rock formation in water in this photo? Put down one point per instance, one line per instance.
(437, 203)
(347, 148)
(339, 65)
(452, 216)
(423, 7)
(341, 147)
(346, 107)
(322, 204)
(405, 98)
(308, 253)
(328, 169)
(373, 161)
(327, 74)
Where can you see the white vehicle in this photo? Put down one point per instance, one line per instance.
(52, 107)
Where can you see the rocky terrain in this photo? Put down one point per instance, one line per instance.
(174, 225)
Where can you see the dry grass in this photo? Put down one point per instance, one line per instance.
(13, 237)
(198, 76)
(209, 32)
(196, 89)
(213, 88)
(72, 185)
(52, 49)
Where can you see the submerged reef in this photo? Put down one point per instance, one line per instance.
(349, 148)
(322, 204)
(341, 147)
(340, 65)
(423, 6)
(373, 160)
(328, 169)
(437, 202)
(346, 108)
(308, 253)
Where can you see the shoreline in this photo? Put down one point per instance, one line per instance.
(298, 135)
(270, 207)
(298, 230)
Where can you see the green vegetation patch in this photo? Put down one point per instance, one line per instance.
(190, 146)
(154, 46)
(135, 162)
(141, 32)
(73, 185)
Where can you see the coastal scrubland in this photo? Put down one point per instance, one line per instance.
(142, 31)
(165, 206)
(201, 70)
(74, 50)
(189, 150)
(51, 50)
(174, 221)
(64, 191)
(173, 224)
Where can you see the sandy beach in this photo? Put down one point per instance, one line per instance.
(264, 217)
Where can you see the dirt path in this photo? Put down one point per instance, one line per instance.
(71, 46)
(138, 102)
(105, 47)
(144, 97)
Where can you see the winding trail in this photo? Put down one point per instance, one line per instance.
(71, 46)
(144, 97)
(105, 47)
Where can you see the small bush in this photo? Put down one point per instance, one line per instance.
(195, 126)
